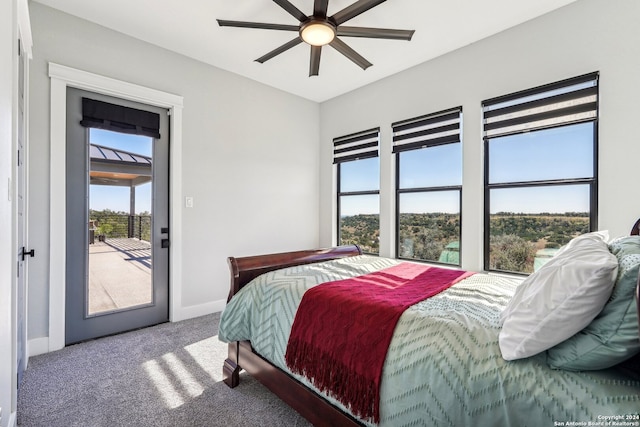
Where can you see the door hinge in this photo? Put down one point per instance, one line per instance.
(30, 253)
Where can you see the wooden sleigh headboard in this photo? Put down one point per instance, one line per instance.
(245, 269)
(635, 230)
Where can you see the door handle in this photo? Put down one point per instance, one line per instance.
(164, 243)
(24, 253)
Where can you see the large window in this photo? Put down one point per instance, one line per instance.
(358, 169)
(429, 187)
(540, 172)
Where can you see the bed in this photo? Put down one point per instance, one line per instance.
(444, 364)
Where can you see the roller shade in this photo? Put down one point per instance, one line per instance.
(103, 115)
(563, 103)
(356, 146)
(434, 129)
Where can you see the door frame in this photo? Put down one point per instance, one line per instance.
(61, 78)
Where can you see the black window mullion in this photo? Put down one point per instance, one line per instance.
(541, 183)
(428, 189)
(359, 193)
(338, 208)
(397, 210)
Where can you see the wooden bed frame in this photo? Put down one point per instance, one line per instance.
(241, 355)
(306, 402)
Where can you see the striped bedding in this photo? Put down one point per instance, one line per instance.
(443, 367)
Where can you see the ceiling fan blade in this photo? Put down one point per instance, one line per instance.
(314, 65)
(258, 25)
(375, 33)
(354, 10)
(293, 11)
(320, 8)
(342, 47)
(279, 50)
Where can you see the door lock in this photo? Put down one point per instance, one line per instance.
(30, 253)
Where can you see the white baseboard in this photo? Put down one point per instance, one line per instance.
(192, 311)
(37, 346)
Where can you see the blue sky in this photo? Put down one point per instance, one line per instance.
(557, 153)
(117, 198)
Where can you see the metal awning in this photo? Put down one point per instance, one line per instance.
(109, 166)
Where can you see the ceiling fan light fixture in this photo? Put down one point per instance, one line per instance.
(317, 33)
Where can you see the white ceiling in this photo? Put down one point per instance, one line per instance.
(189, 27)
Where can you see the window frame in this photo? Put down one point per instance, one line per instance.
(424, 145)
(355, 151)
(592, 182)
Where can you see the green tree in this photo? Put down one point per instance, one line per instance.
(509, 252)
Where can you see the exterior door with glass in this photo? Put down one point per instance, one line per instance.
(117, 258)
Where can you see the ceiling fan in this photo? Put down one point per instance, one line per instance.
(319, 30)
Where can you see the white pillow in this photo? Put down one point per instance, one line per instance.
(559, 299)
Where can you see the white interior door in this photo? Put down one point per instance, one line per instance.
(21, 207)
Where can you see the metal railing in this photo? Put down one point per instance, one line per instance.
(121, 226)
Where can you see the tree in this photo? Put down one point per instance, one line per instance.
(509, 252)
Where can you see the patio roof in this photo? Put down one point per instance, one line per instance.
(114, 167)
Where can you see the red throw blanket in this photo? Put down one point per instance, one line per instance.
(342, 330)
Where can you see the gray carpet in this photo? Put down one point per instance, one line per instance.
(166, 375)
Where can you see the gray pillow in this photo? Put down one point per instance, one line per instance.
(612, 337)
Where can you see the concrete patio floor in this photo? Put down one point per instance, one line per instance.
(119, 274)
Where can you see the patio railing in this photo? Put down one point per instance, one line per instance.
(122, 226)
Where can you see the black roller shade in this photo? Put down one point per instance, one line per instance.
(356, 146)
(434, 129)
(562, 103)
(116, 118)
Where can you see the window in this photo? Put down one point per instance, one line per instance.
(540, 172)
(429, 187)
(358, 169)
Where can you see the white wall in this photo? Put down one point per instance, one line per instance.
(250, 156)
(585, 36)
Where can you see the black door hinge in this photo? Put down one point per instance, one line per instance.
(24, 253)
